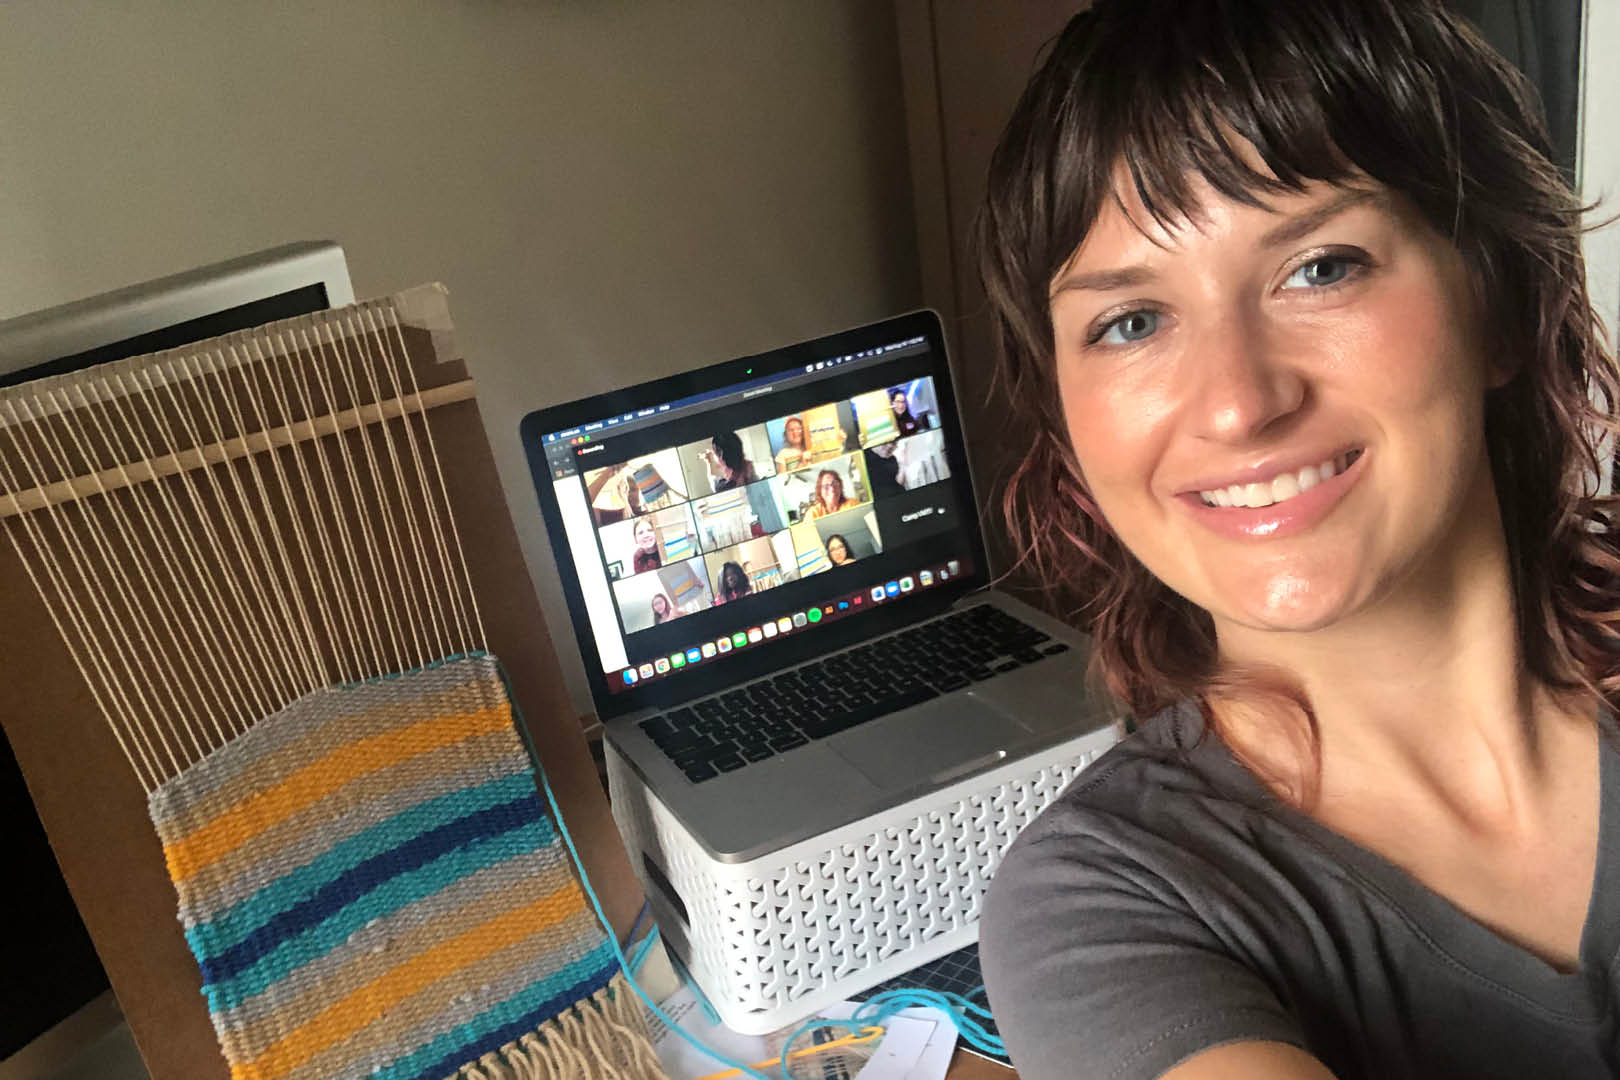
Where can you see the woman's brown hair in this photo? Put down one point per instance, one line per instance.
(1403, 92)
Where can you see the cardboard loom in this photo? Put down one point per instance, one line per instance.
(95, 812)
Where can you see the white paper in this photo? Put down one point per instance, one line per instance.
(682, 1060)
(932, 1059)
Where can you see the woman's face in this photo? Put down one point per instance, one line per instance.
(793, 432)
(660, 605)
(1247, 355)
(829, 490)
(837, 552)
(898, 403)
(646, 538)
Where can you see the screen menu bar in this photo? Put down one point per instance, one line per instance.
(559, 445)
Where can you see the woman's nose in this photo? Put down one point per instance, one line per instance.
(1246, 384)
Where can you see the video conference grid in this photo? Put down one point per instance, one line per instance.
(689, 528)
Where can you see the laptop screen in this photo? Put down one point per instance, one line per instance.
(703, 522)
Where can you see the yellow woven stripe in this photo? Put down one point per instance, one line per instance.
(370, 1003)
(255, 812)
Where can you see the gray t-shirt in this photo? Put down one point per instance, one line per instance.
(1167, 903)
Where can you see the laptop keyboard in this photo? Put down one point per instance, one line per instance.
(833, 694)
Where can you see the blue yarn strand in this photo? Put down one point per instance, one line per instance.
(963, 1013)
(596, 902)
(880, 1008)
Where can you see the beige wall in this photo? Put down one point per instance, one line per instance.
(965, 63)
(611, 191)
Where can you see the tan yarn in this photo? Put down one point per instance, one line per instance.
(601, 1038)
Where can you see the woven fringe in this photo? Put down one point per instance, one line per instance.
(604, 1037)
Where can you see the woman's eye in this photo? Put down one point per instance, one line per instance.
(1128, 328)
(1320, 272)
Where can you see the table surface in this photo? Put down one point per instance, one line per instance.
(966, 1066)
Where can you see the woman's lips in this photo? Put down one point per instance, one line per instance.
(1293, 515)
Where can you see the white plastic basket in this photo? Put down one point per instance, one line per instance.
(773, 940)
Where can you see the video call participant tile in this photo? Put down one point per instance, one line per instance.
(731, 517)
(812, 435)
(648, 542)
(638, 486)
(824, 489)
(659, 596)
(753, 566)
(913, 406)
(726, 461)
(841, 539)
(907, 464)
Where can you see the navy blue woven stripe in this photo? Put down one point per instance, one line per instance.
(366, 876)
(549, 1009)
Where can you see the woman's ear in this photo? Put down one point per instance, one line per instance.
(1501, 354)
(1500, 370)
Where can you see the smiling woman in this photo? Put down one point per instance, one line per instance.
(1294, 302)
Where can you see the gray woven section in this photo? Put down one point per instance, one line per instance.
(268, 751)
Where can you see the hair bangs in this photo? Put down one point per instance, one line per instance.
(1175, 113)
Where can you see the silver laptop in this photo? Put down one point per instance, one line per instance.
(778, 585)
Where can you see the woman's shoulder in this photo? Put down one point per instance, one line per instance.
(1166, 818)
(1168, 770)
(1098, 933)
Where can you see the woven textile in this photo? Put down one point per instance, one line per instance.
(813, 559)
(372, 887)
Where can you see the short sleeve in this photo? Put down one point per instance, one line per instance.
(1095, 969)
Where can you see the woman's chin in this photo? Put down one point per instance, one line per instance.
(1288, 602)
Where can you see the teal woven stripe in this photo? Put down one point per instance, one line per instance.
(223, 929)
(302, 994)
(391, 896)
(324, 824)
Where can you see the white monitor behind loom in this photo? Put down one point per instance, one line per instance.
(294, 279)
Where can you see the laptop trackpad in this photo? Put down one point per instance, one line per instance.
(935, 741)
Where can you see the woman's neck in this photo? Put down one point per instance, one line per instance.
(1428, 684)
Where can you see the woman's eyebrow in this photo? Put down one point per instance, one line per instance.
(1301, 225)
(1125, 277)
(1309, 221)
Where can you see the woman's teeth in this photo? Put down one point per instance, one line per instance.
(1280, 488)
